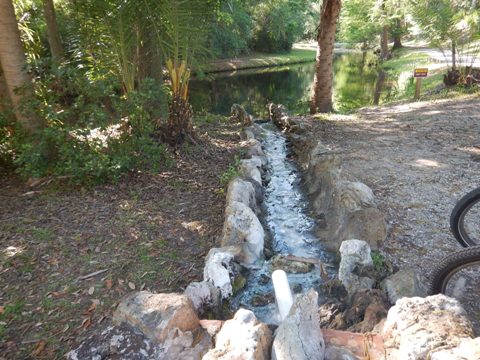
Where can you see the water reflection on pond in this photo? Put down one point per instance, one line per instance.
(356, 83)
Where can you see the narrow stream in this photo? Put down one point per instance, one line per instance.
(292, 230)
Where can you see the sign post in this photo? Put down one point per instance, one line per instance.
(418, 74)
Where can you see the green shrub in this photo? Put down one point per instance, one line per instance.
(93, 134)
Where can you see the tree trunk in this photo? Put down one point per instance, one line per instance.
(4, 99)
(397, 38)
(13, 61)
(53, 35)
(323, 81)
(384, 43)
(454, 56)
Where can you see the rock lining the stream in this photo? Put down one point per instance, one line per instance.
(345, 210)
(299, 336)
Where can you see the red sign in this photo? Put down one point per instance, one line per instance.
(420, 72)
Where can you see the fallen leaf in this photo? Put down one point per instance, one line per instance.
(39, 348)
(109, 283)
(86, 323)
(90, 309)
(131, 285)
(2, 309)
(91, 290)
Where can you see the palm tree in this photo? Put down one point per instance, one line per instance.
(12, 58)
(323, 81)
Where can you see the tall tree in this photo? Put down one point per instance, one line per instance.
(323, 81)
(53, 35)
(384, 53)
(12, 58)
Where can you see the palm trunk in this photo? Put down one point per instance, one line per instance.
(12, 58)
(3, 91)
(454, 56)
(323, 81)
(53, 35)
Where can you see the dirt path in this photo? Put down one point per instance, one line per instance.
(419, 159)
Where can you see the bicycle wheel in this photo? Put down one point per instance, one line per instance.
(458, 276)
(465, 219)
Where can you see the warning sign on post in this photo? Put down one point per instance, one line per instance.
(420, 72)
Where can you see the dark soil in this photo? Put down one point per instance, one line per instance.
(150, 231)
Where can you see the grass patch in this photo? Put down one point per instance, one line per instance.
(259, 60)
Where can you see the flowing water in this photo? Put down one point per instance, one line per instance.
(357, 83)
(292, 229)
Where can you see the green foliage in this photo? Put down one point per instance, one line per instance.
(91, 138)
(378, 260)
(232, 30)
(356, 23)
(231, 172)
(278, 24)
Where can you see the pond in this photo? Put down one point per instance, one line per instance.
(357, 82)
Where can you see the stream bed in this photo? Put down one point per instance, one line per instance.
(286, 214)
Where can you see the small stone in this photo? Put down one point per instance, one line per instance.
(354, 253)
(404, 283)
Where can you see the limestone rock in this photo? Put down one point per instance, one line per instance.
(354, 253)
(121, 341)
(250, 168)
(203, 295)
(299, 336)
(404, 283)
(241, 191)
(242, 227)
(254, 148)
(418, 327)
(157, 315)
(238, 113)
(354, 196)
(217, 270)
(337, 353)
(368, 223)
(242, 338)
(468, 349)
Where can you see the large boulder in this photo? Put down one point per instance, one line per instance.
(354, 254)
(404, 283)
(218, 270)
(157, 315)
(242, 227)
(242, 338)
(417, 328)
(354, 196)
(243, 192)
(299, 336)
(368, 223)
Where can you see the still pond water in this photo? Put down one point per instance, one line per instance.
(356, 83)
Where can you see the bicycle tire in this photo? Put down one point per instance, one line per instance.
(450, 265)
(457, 218)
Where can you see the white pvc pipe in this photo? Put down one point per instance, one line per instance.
(283, 294)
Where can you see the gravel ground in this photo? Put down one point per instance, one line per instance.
(419, 159)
